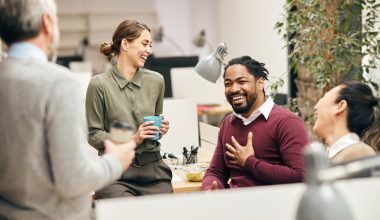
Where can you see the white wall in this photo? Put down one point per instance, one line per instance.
(186, 83)
(247, 26)
(173, 16)
(182, 21)
(97, 19)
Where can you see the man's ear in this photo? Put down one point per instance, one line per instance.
(46, 25)
(260, 84)
(342, 106)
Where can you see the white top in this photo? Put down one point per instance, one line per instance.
(25, 50)
(342, 143)
(264, 109)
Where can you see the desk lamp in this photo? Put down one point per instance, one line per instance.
(200, 39)
(321, 200)
(159, 35)
(209, 67)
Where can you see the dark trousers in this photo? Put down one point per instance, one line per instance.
(148, 179)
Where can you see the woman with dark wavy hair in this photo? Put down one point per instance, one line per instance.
(347, 118)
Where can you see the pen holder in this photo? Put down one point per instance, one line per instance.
(189, 158)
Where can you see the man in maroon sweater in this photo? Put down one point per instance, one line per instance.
(260, 143)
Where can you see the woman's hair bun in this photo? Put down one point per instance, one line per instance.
(107, 49)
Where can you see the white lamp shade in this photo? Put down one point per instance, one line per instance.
(209, 67)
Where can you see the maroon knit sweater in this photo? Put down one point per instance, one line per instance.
(278, 144)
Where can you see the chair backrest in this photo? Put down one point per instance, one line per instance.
(186, 83)
(208, 135)
(183, 132)
(80, 66)
(84, 79)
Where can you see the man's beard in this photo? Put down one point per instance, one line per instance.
(247, 107)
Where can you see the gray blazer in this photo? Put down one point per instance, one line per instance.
(45, 169)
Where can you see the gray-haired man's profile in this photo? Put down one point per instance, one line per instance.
(45, 170)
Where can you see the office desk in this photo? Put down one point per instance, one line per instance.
(208, 136)
(214, 109)
(180, 183)
(204, 111)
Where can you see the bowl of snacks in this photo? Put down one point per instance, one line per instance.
(194, 172)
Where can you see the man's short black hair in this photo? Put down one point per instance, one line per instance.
(254, 67)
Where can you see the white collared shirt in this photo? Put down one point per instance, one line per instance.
(25, 50)
(342, 143)
(264, 109)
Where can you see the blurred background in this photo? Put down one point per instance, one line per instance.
(179, 28)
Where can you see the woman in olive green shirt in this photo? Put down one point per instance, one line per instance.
(127, 92)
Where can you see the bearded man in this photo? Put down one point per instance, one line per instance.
(260, 143)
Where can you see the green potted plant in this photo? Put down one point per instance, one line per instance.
(328, 40)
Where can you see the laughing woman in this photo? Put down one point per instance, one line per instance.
(127, 92)
(347, 118)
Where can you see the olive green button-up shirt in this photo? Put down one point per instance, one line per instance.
(111, 97)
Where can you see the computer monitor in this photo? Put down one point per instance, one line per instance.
(65, 60)
(164, 64)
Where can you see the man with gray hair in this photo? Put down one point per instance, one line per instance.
(45, 169)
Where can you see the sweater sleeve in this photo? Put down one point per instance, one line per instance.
(217, 170)
(292, 138)
(74, 173)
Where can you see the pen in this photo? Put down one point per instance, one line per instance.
(185, 155)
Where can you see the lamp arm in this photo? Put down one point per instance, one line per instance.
(346, 170)
(220, 59)
(174, 44)
(221, 52)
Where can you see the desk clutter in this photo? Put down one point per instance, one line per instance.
(189, 166)
(190, 156)
(189, 172)
(186, 166)
(194, 172)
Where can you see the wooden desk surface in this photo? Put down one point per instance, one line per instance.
(214, 109)
(186, 186)
(219, 111)
(183, 185)
(180, 182)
